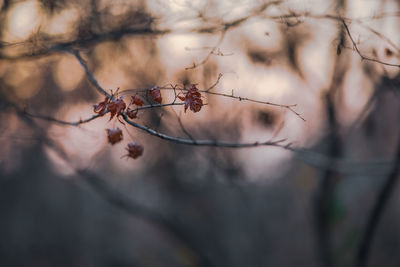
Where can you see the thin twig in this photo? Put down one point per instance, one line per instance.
(55, 47)
(214, 84)
(348, 32)
(224, 27)
(184, 129)
(383, 37)
(240, 98)
(360, 54)
(204, 61)
(182, 126)
(179, 140)
(201, 142)
(158, 106)
(315, 159)
(207, 91)
(88, 72)
(51, 119)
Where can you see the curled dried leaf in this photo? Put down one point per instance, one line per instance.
(132, 113)
(101, 108)
(135, 150)
(192, 99)
(156, 94)
(116, 107)
(114, 135)
(136, 100)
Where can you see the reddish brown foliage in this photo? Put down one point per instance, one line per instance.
(116, 107)
(137, 101)
(156, 94)
(135, 150)
(192, 99)
(101, 107)
(132, 113)
(114, 135)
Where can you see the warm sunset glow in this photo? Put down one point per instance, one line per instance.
(24, 78)
(63, 22)
(81, 144)
(68, 73)
(199, 133)
(23, 19)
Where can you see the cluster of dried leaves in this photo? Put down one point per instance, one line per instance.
(192, 99)
(116, 106)
(134, 149)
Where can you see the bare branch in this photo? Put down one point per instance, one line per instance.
(183, 128)
(215, 84)
(315, 159)
(53, 46)
(158, 106)
(202, 142)
(153, 132)
(289, 107)
(348, 32)
(51, 119)
(208, 91)
(360, 54)
(88, 72)
(212, 52)
(383, 37)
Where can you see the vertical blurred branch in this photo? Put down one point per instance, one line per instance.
(324, 194)
(323, 199)
(377, 211)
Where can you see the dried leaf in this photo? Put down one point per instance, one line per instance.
(156, 94)
(192, 99)
(137, 101)
(114, 135)
(135, 150)
(101, 107)
(132, 113)
(116, 107)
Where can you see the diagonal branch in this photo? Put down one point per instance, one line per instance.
(54, 46)
(51, 119)
(363, 57)
(179, 140)
(89, 73)
(342, 20)
(208, 91)
(240, 98)
(315, 159)
(212, 52)
(201, 142)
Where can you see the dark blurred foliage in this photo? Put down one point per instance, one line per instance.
(188, 205)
